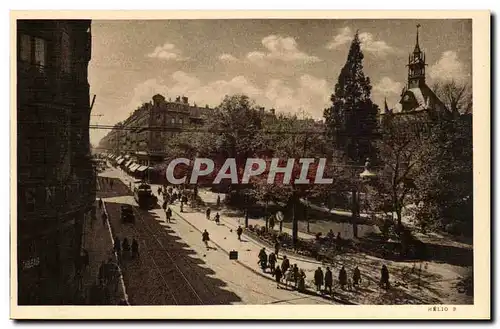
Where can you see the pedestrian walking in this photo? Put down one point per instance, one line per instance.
(205, 237)
(296, 274)
(207, 213)
(159, 190)
(277, 247)
(263, 259)
(272, 262)
(217, 218)
(278, 275)
(135, 248)
(384, 277)
(356, 277)
(102, 275)
(104, 218)
(285, 265)
(113, 275)
(218, 201)
(182, 206)
(239, 231)
(318, 278)
(168, 214)
(117, 248)
(100, 203)
(342, 278)
(301, 281)
(126, 248)
(328, 280)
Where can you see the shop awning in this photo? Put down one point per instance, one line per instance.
(120, 161)
(141, 168)
(131, 164)
(127, 163)
(134, 167)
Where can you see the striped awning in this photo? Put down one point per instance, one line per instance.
(134, 167)
(142, 168)
(128, 163)
(120, 161)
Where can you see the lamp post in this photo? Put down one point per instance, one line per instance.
(365, 176)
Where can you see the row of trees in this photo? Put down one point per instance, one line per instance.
(427, 165)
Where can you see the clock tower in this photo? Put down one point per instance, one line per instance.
(416, 66)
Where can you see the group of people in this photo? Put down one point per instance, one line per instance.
(108, 279)
(125, 248)
(171, 195)
(323, 281)
(216, 217)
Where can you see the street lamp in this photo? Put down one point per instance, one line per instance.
(365, 176)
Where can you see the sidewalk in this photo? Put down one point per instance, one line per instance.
(98, 243)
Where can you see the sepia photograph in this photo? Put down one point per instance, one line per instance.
(311, 161)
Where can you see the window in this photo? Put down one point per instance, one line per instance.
(33, 50)
(25, 51)
(172, 121)
(40, 52)
(65, 53)
(180, 121)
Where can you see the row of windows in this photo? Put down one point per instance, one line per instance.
(172, 120)
(33, 50)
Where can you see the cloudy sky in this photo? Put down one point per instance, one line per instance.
(289, 65)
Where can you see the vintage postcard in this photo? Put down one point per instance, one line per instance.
(250, 165)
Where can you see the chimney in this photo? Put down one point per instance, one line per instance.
(178, 99)
(273, 111)
(262, 109)
(184, 100)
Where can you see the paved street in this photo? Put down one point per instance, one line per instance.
(176, 268)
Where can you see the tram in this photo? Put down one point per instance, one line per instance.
(144, 196)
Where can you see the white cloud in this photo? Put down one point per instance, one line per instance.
(448, 68)
(387, 86)
(311, 95)
(167, 52)
(345, 36)
(368, 42)
(282, 49)
(228, 58)
(307, 93)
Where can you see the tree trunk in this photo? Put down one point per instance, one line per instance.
(354, 207)
(295, 223)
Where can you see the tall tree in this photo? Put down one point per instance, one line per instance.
(352, 118)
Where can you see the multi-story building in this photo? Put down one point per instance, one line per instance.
(145, 133)
(55, 178)
(418, 101)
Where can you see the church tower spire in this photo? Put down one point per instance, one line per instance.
(416, 65)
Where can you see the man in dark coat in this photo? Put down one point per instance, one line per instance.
(328, 280)
(342, 277)
(239, 232)
(356, 277)
(277, 248)
(296, 275)
(263, 259)
(278, 275)
(285, 265)
(135, 248)
(384, 277)
(272, 262)
(205, 238)
(318, 278)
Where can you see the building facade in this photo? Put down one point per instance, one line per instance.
(55, 178)
(417, 99)
(145, 133)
